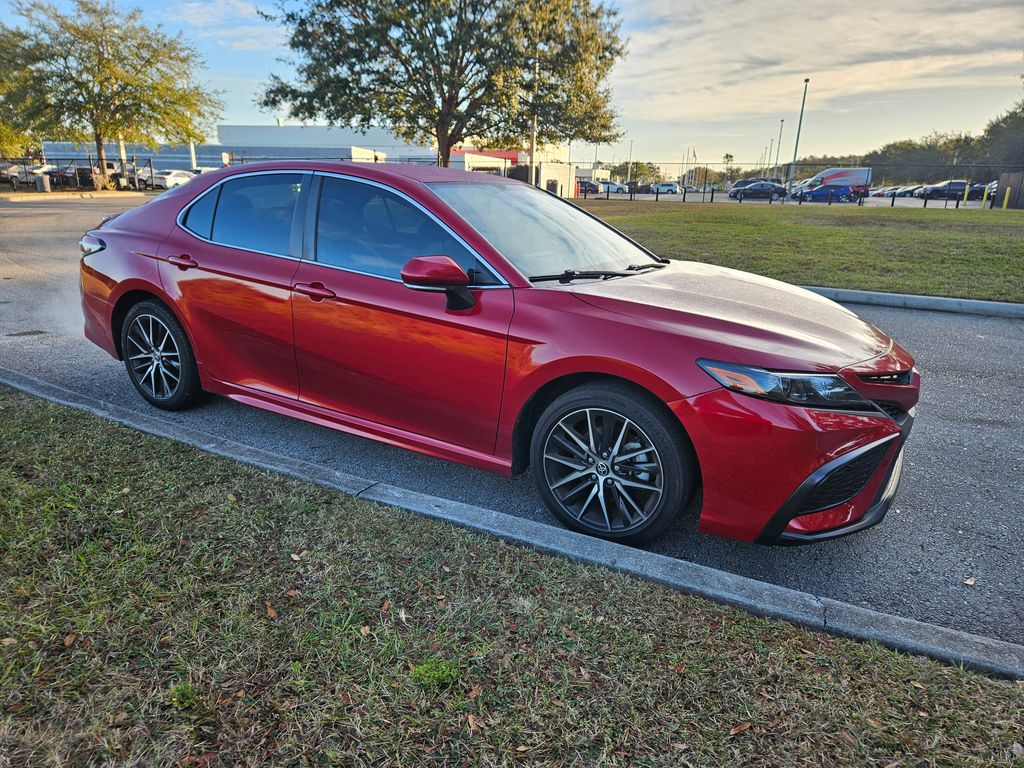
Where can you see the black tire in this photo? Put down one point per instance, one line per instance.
(142, 332)
(627, 507)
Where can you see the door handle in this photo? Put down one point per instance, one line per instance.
(315, 291)
(183, 262)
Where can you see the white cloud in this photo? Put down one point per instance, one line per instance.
(699, 61)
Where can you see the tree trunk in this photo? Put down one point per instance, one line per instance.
(101, 155)
(445, 142)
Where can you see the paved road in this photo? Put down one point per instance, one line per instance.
(957, 516)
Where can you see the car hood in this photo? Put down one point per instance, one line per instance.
(752, 319)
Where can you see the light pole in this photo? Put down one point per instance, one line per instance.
(796, 144)
(629, 164)
(771, 145)
(952, 170)
(775, 172)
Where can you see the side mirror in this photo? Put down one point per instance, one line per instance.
(441, 274)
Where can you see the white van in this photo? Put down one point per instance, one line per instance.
(857, 179)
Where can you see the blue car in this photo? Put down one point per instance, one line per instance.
(840, 194)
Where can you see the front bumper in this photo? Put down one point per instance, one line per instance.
(782, 474)
(880, 488)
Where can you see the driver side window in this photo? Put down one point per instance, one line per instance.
(367, 229)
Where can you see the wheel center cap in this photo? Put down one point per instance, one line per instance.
(602, 468)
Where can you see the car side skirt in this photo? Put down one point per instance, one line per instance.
(354, 425)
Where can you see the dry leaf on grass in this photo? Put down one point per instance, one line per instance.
(270, 610)
(739, 729)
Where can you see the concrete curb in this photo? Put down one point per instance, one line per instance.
(913, 301)
(983, 654)
(36, 197)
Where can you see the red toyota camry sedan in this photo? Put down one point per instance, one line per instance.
(482, 320)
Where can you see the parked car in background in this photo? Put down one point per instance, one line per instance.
(759, 190)
(839, 193)
(589, 187)
(72, 175)
(978, 191)
(614, 187)
(883, 192)
(477, 319)
(665, 188)
(948, 190)
(753, 180)
(907, 191)
(170, 178)
(17, 175)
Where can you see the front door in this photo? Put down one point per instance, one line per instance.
(229, 270)
(368, 346)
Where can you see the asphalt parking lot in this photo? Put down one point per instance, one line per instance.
(956, 518)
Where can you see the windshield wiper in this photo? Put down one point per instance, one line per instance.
(641, 267)
(572, 274)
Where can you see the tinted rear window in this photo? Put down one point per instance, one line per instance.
(199, 218)
(255, 212)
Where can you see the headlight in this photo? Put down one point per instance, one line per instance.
(811, 390)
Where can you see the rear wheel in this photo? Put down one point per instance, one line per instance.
(159, 358)
(611, 462)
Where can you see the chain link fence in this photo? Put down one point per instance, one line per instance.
(75, 173)
(894, 185)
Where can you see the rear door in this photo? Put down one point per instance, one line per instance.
(228, 267)
(368, 346)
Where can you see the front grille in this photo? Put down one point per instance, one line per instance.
(844, 482)
(897, 377)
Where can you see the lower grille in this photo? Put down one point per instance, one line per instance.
(892, 410)
(844, 482)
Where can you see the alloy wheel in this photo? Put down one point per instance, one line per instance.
(603, 470)
(153, 356)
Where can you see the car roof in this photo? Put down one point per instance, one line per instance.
(384, 172)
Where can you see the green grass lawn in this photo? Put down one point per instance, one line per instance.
(161, 606)
(976, 254)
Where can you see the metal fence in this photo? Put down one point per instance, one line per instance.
(74, 173)
(894, 185)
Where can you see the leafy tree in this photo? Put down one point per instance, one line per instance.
(642, 173)
(106, 74)
(449, 70)
(1003, 140)
(16, 52)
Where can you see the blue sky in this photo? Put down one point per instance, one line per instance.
(719, 76)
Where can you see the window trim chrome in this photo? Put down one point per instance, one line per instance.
(180, 222)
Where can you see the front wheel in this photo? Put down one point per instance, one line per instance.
(159, 358)
(612, 462)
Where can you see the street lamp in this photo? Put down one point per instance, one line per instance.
(775, 172)
(796, 144)
(629, 165)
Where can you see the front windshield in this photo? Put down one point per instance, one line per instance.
(539, 233)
